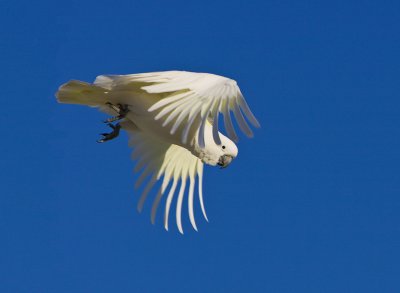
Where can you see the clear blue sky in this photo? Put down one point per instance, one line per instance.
(312, 203)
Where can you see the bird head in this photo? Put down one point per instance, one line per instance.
(217, 154)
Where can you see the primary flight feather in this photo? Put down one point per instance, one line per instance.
(172, 121)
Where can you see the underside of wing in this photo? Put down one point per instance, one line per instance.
(170, 165)
(189, 100)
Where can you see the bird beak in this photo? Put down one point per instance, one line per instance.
(224, 161)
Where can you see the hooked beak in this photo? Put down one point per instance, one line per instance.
(224, 161)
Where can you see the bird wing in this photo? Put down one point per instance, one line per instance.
(166, 163)
(193, 99)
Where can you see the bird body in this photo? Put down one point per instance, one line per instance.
(172, 120)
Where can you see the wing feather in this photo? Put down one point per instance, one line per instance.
(192, 116)
(240, 119)
(191, 194)
(228, 122)
(145, 192)
(200, 175)
(155, 206)
(169, 164)
(249, 115)
(179, 202)
(170, 108)
(212, 93)
(183, 114)
(177, 111)
(215, 115)
(169, 201)
(169, 100)
(204, 115)
(143, 176)
(179, 92)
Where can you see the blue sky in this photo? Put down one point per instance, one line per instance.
(310, 205)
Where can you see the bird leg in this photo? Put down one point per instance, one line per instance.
(122, 110)
(109, 136)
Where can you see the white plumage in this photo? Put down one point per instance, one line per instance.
(172, 121)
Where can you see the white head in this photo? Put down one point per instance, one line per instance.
(213, 154)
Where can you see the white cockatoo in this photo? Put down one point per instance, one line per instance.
(172, 121)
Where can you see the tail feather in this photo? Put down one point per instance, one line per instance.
(82, 93)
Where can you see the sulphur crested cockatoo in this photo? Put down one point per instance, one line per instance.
(172, 121)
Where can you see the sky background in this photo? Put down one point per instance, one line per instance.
(311, 204)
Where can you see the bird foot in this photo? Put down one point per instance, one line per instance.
(109, 136)
(122, 110)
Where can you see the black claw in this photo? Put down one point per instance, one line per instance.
(109, 136)
(122, 110)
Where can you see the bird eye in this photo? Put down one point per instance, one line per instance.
(223, 147)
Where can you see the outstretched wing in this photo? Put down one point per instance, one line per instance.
(167, 163)
(190, 99)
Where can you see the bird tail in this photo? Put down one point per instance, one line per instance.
(81, 93)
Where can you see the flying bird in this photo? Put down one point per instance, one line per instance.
(172, 121)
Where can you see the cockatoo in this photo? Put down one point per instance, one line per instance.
(172, 121)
